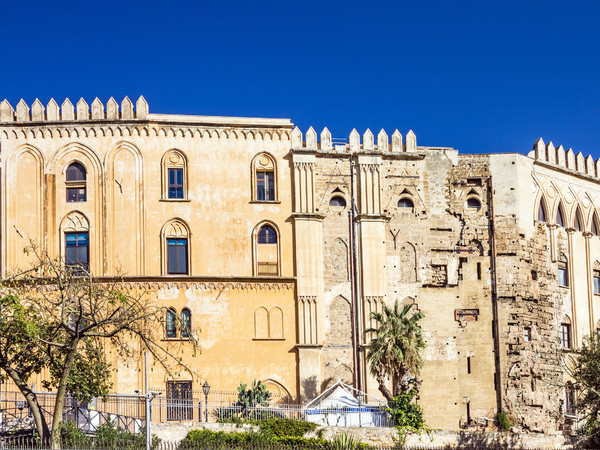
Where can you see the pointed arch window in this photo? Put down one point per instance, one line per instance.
(560, 220)
(175, 248)
(264, 178)
(186, 323)
(75, 180)
(541, 213)
(266, 251)
(171, 323)
(578, 223)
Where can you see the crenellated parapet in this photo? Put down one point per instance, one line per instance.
(369, 143)
(69, 112)
(567, 159)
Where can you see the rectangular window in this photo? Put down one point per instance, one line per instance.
(527, 334)
(597, 282)
(565, 335)
(180, 404)
(76, 194)
(175, 183)
(177, 256)
(77, 254)
(563, 275)
(265, 186)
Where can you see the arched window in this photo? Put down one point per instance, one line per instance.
(337, 201)
(75, 234)
(406, 205)
(176, 248)
(560, 221)
(174, 176)
(266, 250)
(171, 323)
(578, 223)
(75, 180)
(186, 323)
(594, 227)
(473, 204)
(267, 235)
(569, 399)
(541, 213)
(264, 178)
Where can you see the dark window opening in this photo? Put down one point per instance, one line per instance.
(560, 221)
(468, 364)
(473, 203)
(577, 224)
(527, 334)
(77, 256)
(479, 271)
(534, 275)
(265, 186)
(569, 399)
(597, 282)
(406, 205)
(541, 216)
(177, 256)
(267, 235)
(338, 202)
(175, 183)
(186, 323)
(594, 226)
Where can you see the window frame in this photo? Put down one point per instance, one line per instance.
(565, 335)
(265, 164)
(173, 243)
(266, 268)
(570, 400)
(174, 160)
(77, 267)
(171, 326)
(596, 281)
(406, 209)
(562, 275)
(76, 186)
(176, 186)
(185, 330)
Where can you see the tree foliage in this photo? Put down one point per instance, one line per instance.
(54, 317)
(584, 368)
(395, 351)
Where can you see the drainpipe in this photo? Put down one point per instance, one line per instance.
(354, 282)
(495, 307)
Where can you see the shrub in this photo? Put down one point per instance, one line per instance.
(286, 427)
(404, 412)
(503, 421)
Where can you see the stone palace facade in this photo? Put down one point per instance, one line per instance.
(242, 228)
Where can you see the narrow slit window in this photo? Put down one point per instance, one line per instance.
(563, 274)
(186, 323)
(171, 324)
(597, 282)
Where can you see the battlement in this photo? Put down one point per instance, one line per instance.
(67, 112)
(383, 143)
(565, 158)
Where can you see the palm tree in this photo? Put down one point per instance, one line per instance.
(395, 351)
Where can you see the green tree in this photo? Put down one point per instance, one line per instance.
(584, 368)
(395, 351)
(54, 317)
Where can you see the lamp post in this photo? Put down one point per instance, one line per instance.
(148, 397)
(359, 397)
(206, 390)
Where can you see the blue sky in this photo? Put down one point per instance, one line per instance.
(479, 76)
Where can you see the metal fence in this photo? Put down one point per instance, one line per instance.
(126, 411)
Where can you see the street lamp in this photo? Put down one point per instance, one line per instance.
(206, 390)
